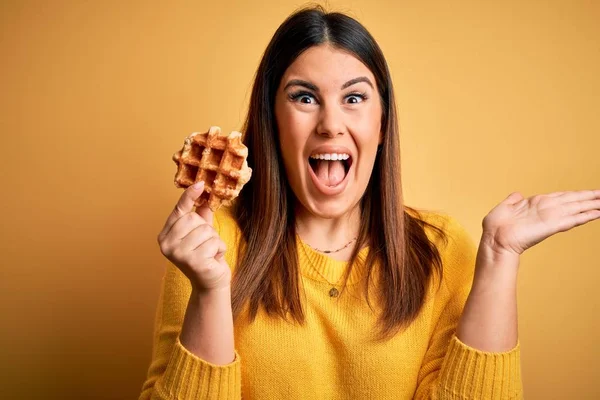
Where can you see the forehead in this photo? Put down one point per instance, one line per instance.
(326, 67)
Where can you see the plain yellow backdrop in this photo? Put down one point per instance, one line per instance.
(95, 97)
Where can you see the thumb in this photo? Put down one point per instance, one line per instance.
(514, 198)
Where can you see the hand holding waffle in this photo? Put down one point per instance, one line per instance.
(213, 168)
(190, 242)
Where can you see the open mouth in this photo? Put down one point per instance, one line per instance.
(330, 168)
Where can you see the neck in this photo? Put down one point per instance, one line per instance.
(327, 233)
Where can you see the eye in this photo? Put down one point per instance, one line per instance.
(303, 97)
(355, 98)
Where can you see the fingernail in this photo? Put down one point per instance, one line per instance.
(198, 185)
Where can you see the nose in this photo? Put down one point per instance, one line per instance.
(331, 122)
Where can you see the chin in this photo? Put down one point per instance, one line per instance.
(329, 208)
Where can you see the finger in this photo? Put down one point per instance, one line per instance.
(205, 212)
(582, 218)
(183, 206)
(183, 226)
(221, 253)
(210, 248)
(577, 207)
(581, 195)
(197, 236)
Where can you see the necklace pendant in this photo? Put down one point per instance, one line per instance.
(333, 292)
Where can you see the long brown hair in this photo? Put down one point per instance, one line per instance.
(267, 273)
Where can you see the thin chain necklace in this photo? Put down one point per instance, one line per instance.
(333, 251)
(333, 292)
(329, 251)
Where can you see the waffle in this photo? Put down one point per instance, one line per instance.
(216, 159)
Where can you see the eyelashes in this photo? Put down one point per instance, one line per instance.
(300, 94)
(296, 96)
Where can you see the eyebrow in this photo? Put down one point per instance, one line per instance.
(308, 85)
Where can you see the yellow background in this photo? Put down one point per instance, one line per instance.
(95, 97)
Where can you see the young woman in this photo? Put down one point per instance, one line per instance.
(331, 287)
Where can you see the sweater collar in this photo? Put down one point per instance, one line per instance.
(322, 268)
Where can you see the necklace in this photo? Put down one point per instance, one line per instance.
(333, 292)
(326, 251)
(333, 251)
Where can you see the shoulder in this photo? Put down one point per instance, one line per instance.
(225, 223)
(453, 228)
(456, 247)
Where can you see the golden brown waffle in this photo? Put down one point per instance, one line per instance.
(216, 159)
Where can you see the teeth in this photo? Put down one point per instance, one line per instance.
(331, 156)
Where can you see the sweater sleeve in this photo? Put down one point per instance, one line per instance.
(174, 372)
(450, 368)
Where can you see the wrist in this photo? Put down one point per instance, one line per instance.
(218, 292)
(495, 268)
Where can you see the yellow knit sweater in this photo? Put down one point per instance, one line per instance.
(331, 356)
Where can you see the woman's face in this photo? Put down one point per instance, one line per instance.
(328, 113)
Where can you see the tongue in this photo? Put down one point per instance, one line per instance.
(330, 173)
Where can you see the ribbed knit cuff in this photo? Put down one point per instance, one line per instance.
(189, 377)
(468, 373)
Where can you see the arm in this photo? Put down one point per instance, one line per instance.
(175, 371)
(489, 320)
(487, 364)
(193, 346)
(451, 368)
(207, 329)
